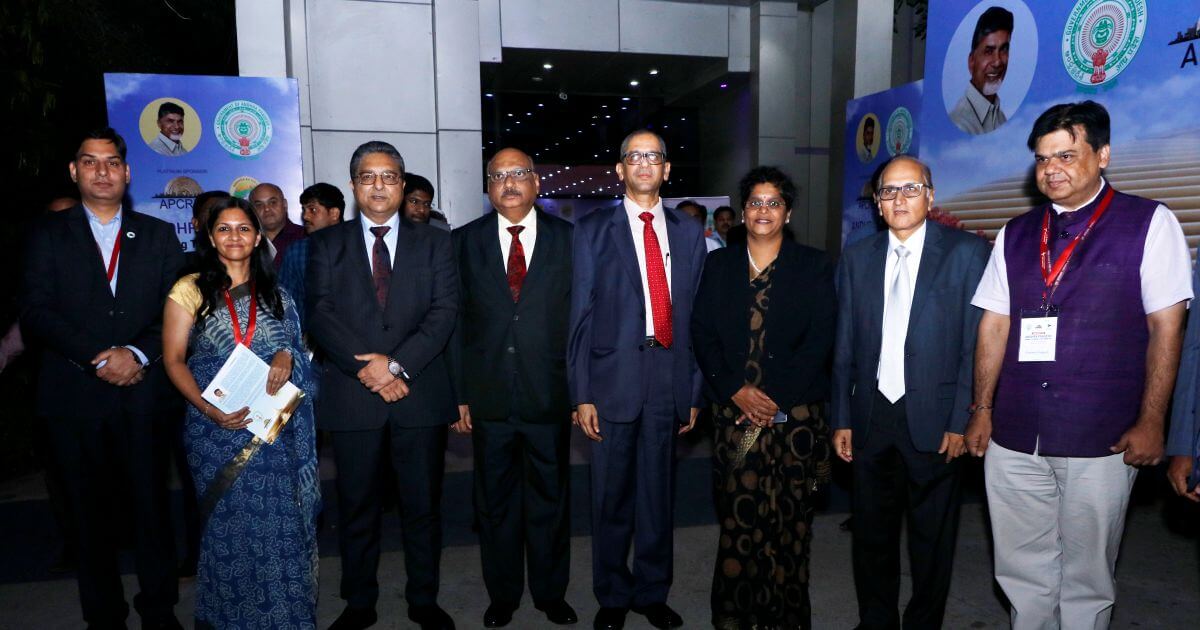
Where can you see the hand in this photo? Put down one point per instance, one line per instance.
(1142, 445)
(952, 445)
(280, 372)
(231, 421)
(755, 405)
(394, 391)
(121, 367)
(374, 375)
(979, 432)
(1177, 475)
(691, 421)
(843, 444)
(463, 425)
(588, 419)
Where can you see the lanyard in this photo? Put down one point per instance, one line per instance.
(1053, 275)
(112, 260)
(237, 328)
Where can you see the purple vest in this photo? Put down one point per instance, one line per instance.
(1080, 404)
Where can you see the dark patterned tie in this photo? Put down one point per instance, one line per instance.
(516, 262)
(656, 279)
(381, 264)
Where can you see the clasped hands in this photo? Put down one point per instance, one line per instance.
(756, 406)
(121, 367)
(376, 377)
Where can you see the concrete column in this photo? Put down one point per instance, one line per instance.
(262, 44)
(773, 28)
(459, 132)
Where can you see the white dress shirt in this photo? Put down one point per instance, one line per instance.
(636, 229)
(163, 145)
(389, 239)
(915, 245)
(1166, 270)
(528, 236)
(975, 114)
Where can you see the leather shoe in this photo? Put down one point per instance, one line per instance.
(355, 619)
(610, 618)
(660, 615)
(430, 617)
(498, 615)
(558, 612)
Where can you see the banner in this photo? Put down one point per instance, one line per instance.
(188, 134)
(1137, 58)
(878, 127)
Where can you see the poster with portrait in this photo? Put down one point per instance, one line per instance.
(878, 127)
(993, 66)
(188, 134)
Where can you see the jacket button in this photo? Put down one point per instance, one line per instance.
(110, 313)
(516, 318)
(512, 350)
(386, 327)
(1045, 384)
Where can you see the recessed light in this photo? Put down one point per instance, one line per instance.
(633, 83)
(537, 79)
(489, 95)
(624, 98)
(567, 168)
(607, 116)
(604, 106)
(541, 104)
(623, 108)
(724, 85)
(510, 114)
(653, 71)
(548, 66)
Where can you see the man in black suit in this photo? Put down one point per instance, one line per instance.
(95, 280)
(510, 351)
(901, 389)
(382, 302)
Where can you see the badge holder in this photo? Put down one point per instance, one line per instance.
(1039, 334)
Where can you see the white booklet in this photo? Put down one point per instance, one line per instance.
(242, 382)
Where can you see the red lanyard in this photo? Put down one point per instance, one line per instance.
(237, 328)
(112, 261)
(1053, 276)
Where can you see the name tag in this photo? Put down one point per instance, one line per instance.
(1039, 335)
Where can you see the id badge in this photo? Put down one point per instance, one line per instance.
(1039, 334)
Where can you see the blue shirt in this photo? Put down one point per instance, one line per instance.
(106, 238)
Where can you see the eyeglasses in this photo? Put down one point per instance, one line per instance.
(651, 157)
(770, 203)
(389, 178)
(518, 174)
(910, 191)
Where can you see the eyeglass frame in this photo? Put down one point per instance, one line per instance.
(367, 178)
(895, 191)
(499, 177)
(644, 155)
(770, 203)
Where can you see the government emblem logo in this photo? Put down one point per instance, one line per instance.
(242, 128)
(899, 131)
(1101, 38)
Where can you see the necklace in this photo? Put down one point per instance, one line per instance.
(752, 265)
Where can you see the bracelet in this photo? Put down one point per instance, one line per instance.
(976, 407)
(205, 412)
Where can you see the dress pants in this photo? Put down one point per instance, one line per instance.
(103, 459)
(521, 502)
(1057, 524)
(416, 456)
(893, 479)
(633, 481)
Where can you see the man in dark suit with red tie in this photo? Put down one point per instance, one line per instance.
(382, 302)
(95, 280)
(510, 350)
(633, 378)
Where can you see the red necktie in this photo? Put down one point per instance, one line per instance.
(381, 264)
(656, 278)
(516, 262)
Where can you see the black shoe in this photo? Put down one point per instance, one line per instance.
(498, 615)
(355, 619)
(660, 615)
(610, 619)
(558, 612)
(431, 617)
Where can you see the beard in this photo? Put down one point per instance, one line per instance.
(990, 88)
(175, 137)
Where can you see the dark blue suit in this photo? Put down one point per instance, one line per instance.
(642, 395)
(1184, 436)
(895, 445)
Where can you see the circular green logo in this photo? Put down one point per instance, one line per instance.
(1101, 38)
(899, 131)
(242, 128)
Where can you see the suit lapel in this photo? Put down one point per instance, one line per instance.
(681, 263)
(403, 259)
(626, 254)
(932, 255)
(492, 256)
(541, 251)
(89, 250)
(132, 240)
(874, 287)
(360, 266)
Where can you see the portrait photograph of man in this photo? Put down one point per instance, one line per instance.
(169, 140)
(978, 111)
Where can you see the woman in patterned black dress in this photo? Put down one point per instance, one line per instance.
(258, 500)
(762, 330)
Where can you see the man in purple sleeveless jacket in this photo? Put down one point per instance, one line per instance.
(1084, 300)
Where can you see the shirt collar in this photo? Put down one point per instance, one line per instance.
(1061, 209)
(915, 243)
(529, 221)
(633, 209)
(116, 220)
(979, 103)
(163, 138)
(393, 223)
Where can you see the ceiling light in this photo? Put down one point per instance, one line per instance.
(724, 85)
(607, 116)
(510, 114)
(548, 66)
(528, 113)
(624, 98)
(653, 71)
(633, 83)
(537, 79)
(541, 104)
(623, 108)
(489, 95)
(567, 168)
(604, 106)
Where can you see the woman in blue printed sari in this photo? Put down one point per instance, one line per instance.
(258, 499)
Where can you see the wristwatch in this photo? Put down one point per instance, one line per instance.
(397, 370)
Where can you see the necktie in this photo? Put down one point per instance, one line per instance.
(656, 279)
(895, 329)
(381, 264)
(516, 262)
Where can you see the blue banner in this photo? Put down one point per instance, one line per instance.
(189, 134)
(878, 127)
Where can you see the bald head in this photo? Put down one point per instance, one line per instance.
(270, 206)
(509, 155)
(517, 186)
(900, 160)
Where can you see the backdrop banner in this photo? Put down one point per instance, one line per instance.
(188, 134)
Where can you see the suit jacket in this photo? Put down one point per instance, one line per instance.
(344, 319)
(69, 312)
(608, 314)
(1184, 435)
(939, 349)
(799, 325)
(510, 358)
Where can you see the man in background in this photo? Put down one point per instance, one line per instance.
(322, 206)
(272, 209)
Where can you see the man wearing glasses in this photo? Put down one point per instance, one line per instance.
(633, 378)
(508, 356)
(382, 303)
(901, 387)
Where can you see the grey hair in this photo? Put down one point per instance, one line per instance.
(925, 172)
(625, 143)
(374, 146)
